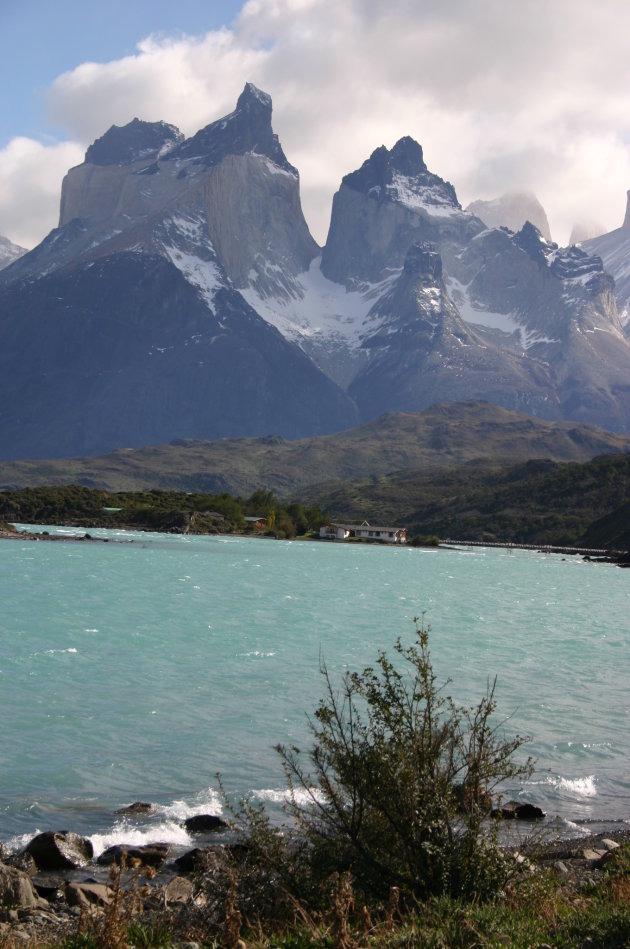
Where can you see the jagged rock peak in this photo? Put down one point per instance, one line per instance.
(377, 171)
(567, 263)
(401, 175)
(247, 129)
(252, 98)
(533, 243)
(121, 145)
(424, 260)
(626, 220)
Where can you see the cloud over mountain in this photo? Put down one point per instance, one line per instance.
(528, 96)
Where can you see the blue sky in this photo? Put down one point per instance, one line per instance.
(502, 96)
(40, 39)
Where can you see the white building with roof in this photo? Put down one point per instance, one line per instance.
(364, 531)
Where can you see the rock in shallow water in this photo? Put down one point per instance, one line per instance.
(138, 807)
(516, 810)
(59, 850)
(203, 823)
(151, 855)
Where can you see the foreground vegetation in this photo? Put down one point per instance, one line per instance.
(536, 912)
(393, 842)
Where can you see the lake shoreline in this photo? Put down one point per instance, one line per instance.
(51, 904)
(590, 555)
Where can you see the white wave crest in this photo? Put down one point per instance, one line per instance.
(206, 802)
(579, 829)
(19, 842)
(584, 787)
(581, 787)
(299, 796)
(167, 832)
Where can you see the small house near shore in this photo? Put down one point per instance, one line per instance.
(365, 531)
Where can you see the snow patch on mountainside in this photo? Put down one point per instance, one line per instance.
(321, 309)
(9, 252)
(430, 298)
(203, 274)
(273, 168)
(614, 250)
(505, 322)
(186, 243)
(410, 193)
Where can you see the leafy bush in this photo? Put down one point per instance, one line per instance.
(398, 787)
(399, 781)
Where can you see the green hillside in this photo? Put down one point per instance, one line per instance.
(539, 502)
(442, 436)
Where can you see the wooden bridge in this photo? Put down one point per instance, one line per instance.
(543, 548)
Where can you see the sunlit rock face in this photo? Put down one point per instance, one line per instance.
(182, 295)
(614, 250)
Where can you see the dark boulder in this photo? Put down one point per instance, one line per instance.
(203, 823)
(150, 855)
(138, 807)
(59, 850)
(49, 887)
(515, 810)
(194, 860)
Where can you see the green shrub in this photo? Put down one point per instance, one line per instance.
(399, 780)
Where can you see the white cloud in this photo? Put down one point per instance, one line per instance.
(30, 187)
(531, 95)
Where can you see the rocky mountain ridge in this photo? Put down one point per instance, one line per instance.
(9, 252)
(182, 295)
(614, 250)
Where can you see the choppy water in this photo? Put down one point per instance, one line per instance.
(137, 669)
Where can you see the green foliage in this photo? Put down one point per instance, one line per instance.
(537, 502)
(424, 540)
(141, 936)
(155, 510)
(399, 780)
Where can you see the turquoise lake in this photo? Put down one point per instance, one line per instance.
(139, 668)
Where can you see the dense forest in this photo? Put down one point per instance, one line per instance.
(172, 511)
(538, 502)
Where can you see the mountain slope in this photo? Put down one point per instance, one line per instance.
(537, 502)
(614, 250)
(182, 295)
(9, 252)
(129, 312)
(453, 435)
(541, 333)
(118, 369)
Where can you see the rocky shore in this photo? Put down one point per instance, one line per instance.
(7, 532)
(54, 887)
